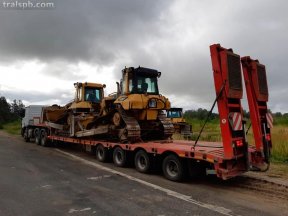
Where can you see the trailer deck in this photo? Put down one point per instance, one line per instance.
(210, 152)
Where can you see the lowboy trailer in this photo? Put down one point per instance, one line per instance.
(229, 158)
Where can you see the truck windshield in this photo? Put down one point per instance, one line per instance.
(93, 94)
(143, 85)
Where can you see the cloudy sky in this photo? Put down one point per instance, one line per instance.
(44, 51)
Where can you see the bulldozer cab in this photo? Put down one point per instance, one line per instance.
(139, 81)
(90, 92)
(179, 123)
(175, 113)
(87, 96)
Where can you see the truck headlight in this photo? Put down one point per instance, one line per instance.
(152, 103)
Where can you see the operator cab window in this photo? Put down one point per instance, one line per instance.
(143, 85)
(93, 95)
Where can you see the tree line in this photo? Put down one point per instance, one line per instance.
(10, 111)
(201, 114)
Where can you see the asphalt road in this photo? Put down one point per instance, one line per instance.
(44, 181)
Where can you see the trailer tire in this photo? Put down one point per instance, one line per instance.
(37, 136)
(101, 153)
(119, 157)
(26, 139)
(173, 168)
(43, 140)
(142, 161)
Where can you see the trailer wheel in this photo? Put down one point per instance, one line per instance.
(101, 153)
(173, 168)
(142, 161)
(119, 157)
(37, 136)
(43, 139)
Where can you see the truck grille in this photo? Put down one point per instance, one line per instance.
(262, 80)
(234, 72)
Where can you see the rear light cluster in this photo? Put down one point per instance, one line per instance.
(239, 143)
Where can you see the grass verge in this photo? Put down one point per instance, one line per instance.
(279, 136)
(12, 127)
(280, 143)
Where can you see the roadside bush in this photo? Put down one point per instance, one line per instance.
(13, 127)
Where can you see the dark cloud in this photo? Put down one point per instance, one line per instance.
(258, 29)
(171, 36)
(75, 30)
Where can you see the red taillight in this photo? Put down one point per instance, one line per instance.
(239, 143)
(268, 137)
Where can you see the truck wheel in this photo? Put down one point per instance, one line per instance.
(173, 168)
(37, 136)
(26, 136)
(101, 153)
(142, 161)
(23, 131)
(119, 157)
(43, 140)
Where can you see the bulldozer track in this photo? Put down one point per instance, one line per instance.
(132, 126)
(167, 125)
(262, 186)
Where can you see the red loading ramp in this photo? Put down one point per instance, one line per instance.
(257, 95)
(228, 85)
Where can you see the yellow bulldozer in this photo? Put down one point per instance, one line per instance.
(133, 113)
(179, 122)
(140, 106)
(73, 119)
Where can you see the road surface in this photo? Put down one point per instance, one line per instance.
(47, 182)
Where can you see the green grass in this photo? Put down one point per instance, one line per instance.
(279, 136)
(12, 127)
(280, 143)
(211, 131)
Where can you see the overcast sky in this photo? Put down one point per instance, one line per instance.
(43, 52)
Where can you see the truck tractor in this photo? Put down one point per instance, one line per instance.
(179, 123)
